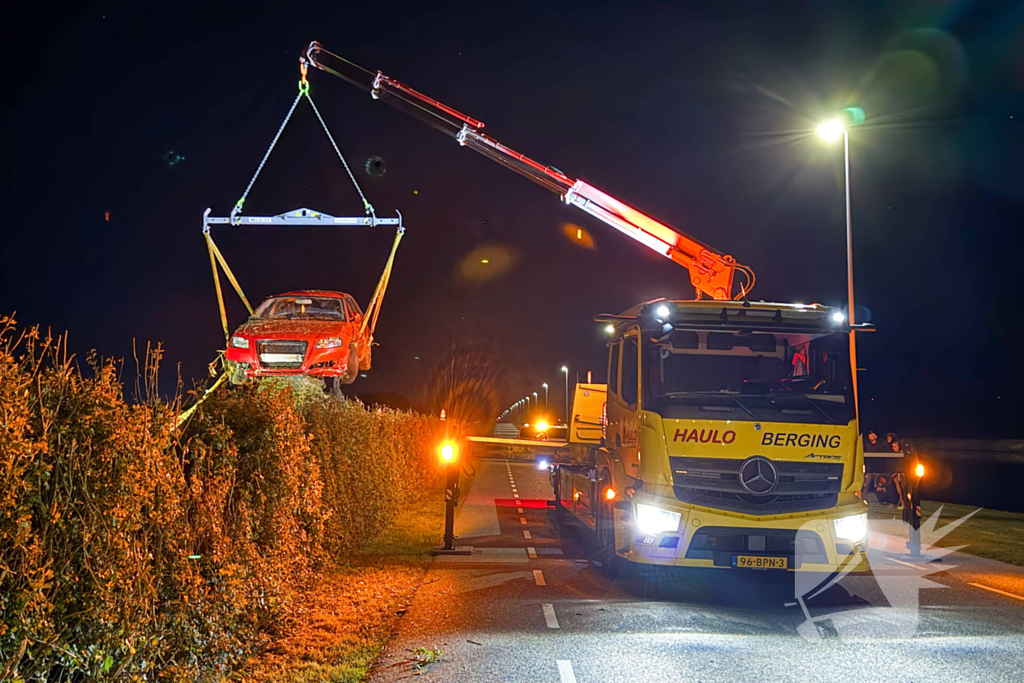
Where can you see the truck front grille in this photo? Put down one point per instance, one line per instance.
(714, 482)
(281, 354)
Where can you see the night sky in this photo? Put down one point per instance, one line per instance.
(701, 116)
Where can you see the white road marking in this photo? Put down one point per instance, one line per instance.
(905, 564)
(522, 520)
(549, 615)
(526, 535)
(516, 495)
(988, 588)
(531, 553)
(538, 576)
(520, 510)
(565, 672)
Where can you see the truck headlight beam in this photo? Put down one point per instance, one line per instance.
(653, 520)
(853, 528)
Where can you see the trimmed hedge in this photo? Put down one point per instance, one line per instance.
(130, 550)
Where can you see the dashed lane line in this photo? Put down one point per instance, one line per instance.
(519, 510)
(522, 520)
(526, 535)
(538, 577)
(531, 553)
(565, 672)
(994, 590)
(549, 615)
(905, 564)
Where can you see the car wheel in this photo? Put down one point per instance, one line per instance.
(333, 388)
(352, 369)
(236, 373)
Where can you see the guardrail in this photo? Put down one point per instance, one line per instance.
(983, 472)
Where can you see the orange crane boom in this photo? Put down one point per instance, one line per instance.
(711, 272)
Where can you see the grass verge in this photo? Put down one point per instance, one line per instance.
(994, 534)
(345, 619)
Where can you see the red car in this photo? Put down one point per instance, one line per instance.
(309, 332)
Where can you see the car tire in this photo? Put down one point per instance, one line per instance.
(352, 369)
(333, 388)
(236, 373)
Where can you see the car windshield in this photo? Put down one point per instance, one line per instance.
(779, 378)
(301, 308)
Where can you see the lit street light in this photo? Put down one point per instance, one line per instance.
(831, 131)
(545, 385)
(565, 369)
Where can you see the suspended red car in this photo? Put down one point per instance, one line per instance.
(311, 332)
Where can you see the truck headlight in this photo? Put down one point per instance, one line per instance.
(328, 343)
(239, 343)
(654, 520)
(853, 528)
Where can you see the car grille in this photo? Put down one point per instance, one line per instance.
(714, 482)
(280, 354)
(721, 544)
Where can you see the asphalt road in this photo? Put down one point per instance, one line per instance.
(529, 605)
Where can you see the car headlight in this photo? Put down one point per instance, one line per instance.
(654, 520)
(853, 528)
(239, 343)
(329, 343)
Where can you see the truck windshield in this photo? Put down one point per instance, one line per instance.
(763, 377)
(301, 308)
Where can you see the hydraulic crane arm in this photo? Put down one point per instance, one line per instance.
(711, 273)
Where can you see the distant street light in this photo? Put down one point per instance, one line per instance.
(831, 131)
(545, 385)
(565, 369)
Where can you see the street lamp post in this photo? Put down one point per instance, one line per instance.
(545, 385)
(565, 370)
(831, 131)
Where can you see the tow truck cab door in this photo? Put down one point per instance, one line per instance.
(623, 432)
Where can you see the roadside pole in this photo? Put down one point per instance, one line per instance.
(912, 513)
(448, 453)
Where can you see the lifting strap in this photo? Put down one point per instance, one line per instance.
(215, 258)
(373, 308)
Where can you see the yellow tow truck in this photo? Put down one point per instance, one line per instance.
(726, 437)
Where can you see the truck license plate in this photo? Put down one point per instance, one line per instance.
(758, 562)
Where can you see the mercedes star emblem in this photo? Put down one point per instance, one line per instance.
(758, 475)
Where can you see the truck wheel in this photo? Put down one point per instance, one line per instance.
(556, 488)
(352, 369)
(611, 564)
